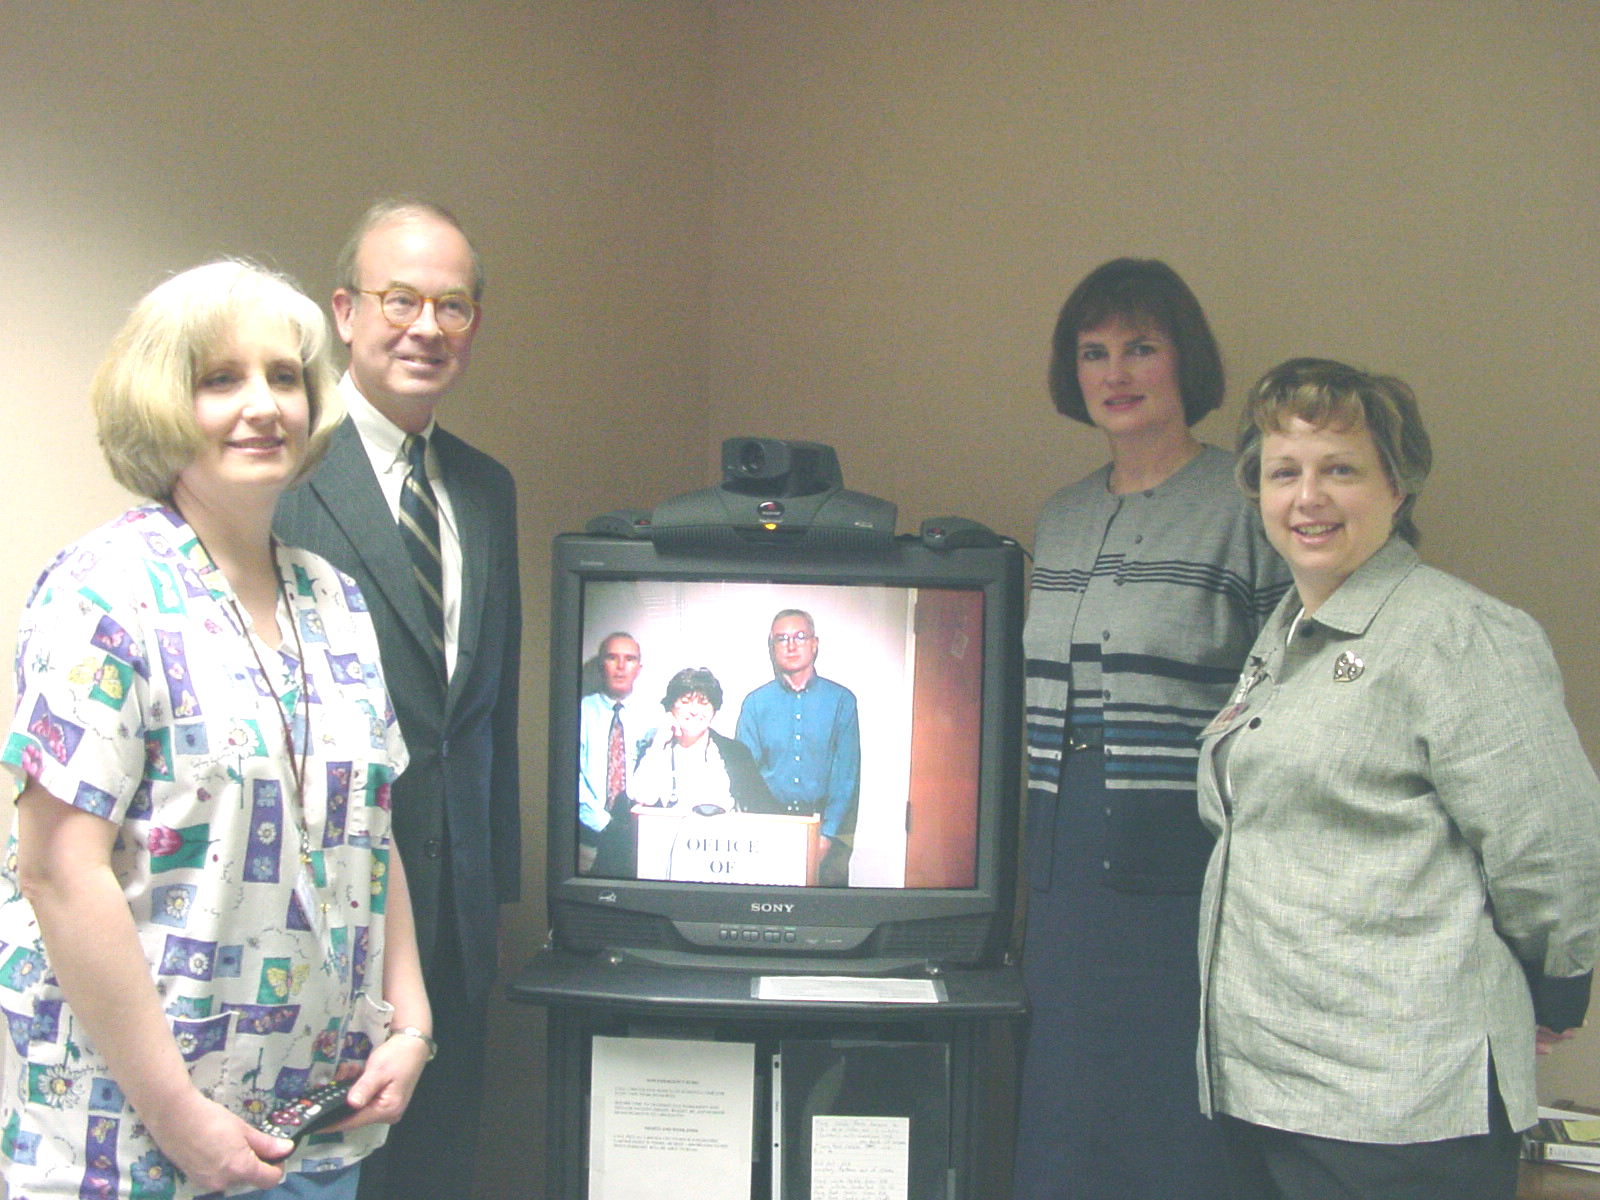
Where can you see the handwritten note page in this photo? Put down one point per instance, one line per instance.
(860, 1158)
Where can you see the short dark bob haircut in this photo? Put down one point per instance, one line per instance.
(1325, 393)
(1141, 292)
(693, 681)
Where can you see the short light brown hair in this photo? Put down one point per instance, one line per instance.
(1323, 392)
(384, 212)
(143, 392)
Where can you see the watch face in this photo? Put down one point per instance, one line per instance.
(413, 1031)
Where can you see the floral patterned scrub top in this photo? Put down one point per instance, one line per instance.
(141, 699)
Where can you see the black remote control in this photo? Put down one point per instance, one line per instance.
(298, 1118)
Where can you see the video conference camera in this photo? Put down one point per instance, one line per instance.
(767, 467)
(774, 493)
(781, 493)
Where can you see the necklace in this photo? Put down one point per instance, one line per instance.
(689, 764)
(286, 713)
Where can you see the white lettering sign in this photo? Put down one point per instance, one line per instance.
(727, 848)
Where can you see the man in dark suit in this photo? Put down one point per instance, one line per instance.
(428, 529)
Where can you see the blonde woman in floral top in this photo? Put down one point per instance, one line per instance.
(201, 913)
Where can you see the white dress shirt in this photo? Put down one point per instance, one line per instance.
(383, 441)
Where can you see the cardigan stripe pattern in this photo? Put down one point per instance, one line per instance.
(1142, 609)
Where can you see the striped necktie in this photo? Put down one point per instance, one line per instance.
(419, 530)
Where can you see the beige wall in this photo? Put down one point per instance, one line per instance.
(906, 190)
(570, 136)
(852, 222)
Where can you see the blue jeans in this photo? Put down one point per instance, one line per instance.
(324, 1185)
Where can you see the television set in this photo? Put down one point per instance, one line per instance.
(924, 633)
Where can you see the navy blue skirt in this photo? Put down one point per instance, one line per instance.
(1110, 1099)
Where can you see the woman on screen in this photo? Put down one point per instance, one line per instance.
(689, 764)
(1151, 580)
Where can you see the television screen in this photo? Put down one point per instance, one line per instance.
(789, 755)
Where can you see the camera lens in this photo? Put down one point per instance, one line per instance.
(752, 458)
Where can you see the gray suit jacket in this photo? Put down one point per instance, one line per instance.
(1407, 871)
(456, 807)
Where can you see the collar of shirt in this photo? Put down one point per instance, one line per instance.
(382, 440)
(634, 705)
(1356, 601)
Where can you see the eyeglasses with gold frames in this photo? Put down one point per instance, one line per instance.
(454, 312)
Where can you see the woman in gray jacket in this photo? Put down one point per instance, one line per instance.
(1405, 890)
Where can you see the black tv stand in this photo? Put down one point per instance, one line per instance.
(604, 995)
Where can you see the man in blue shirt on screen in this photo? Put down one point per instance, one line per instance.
(806, 738)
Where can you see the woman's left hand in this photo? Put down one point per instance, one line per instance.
(385, 1085)
(1546, 1040)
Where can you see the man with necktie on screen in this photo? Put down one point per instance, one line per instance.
(614, 726)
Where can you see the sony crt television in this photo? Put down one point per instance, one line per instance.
(926, 640)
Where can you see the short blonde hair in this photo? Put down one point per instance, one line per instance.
(1322, 392)
(143, 392)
